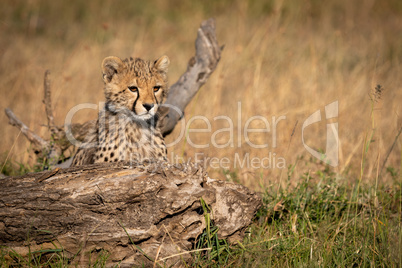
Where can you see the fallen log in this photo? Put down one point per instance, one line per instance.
(139, 213)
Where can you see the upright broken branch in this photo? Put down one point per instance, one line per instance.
(48, 103)
(200, 67)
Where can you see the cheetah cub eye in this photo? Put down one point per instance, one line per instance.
(133, 88)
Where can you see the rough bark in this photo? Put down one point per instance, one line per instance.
(140, 213)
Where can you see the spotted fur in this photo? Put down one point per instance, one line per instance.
(126, 128)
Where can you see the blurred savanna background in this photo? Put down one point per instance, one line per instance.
(281, 59)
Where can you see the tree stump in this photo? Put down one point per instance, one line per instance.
(140, 213)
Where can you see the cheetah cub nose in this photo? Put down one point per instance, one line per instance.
(148, 106)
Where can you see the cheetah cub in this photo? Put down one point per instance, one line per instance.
(127, 128)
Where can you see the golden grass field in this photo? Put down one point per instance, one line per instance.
(281, 58)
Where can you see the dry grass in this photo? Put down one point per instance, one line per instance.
(281, 58)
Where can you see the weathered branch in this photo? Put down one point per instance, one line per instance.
(54, 148)
(200, 67)
(109, 206)
(48, 104)
(37, 141)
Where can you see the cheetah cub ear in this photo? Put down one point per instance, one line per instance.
(162, 64)
(111, 66)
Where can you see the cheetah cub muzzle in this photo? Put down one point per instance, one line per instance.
(127, 127)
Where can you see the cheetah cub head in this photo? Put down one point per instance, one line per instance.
(135, 87)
